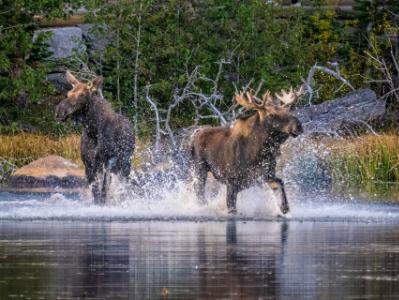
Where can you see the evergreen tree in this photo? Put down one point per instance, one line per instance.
(23, 67)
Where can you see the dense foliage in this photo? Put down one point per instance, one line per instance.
(157, 44)
(165, 41)
(23, 64)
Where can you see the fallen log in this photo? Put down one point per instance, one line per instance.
(343, 116)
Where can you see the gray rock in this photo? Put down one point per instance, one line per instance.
(60, 82)
(64, 41)
(96, 38)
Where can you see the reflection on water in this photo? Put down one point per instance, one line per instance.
(198, 260)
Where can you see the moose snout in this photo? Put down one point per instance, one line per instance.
(61, 112)
(297, 129)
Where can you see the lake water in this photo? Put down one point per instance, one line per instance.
(63, 247)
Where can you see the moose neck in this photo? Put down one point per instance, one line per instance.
(96, 111)
(275, 136)
(258, 131)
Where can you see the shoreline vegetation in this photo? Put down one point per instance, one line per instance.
(205, 52)
(367, 164)
(22, 148)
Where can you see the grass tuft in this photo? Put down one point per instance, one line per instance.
(367, 158)
(23, 148)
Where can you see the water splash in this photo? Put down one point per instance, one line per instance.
(177, 201)
(169, 195)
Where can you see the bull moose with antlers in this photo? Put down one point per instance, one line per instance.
(246, 152)
(107, 141)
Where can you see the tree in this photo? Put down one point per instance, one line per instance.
(23, 65)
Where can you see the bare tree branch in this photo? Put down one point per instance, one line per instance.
(157, 119)
(335, 73)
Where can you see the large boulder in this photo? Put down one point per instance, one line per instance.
(63, 42)
(49, 172)
(96, 38)
(58, 79)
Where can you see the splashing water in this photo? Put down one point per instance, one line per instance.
(178, 202)
(302, 165)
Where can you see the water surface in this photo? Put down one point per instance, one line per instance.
(64, 247)
(198, 260)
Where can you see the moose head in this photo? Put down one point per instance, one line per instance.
(78, 97)
(274, 112)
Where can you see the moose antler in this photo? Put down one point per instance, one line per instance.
(71, 79)
(267, 98)
(252, 102)
(287, 99)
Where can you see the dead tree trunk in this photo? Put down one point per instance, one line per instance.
(356, 111)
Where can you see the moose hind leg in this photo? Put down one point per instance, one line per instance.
(278, 184)
(231, 199)
(106, 186)
(98, 191)
(201, 174)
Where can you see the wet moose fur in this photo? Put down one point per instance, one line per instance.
(241, 155)
(107, 141)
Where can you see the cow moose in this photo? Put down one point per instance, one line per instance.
(240, 155)
(107, 141)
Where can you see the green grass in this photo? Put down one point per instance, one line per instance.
(365, 159)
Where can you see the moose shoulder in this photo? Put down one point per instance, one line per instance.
(107, 141)
(240, 155)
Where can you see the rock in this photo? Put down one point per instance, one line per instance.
(342, 115)
(63, 41)
(96, 38)
(50, 172)
(60, 82)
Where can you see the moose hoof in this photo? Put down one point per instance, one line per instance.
(285, 210)
(232, 211)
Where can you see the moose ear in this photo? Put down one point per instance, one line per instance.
(71, 79)
(97, 83)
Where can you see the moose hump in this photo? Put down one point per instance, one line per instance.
(49, 172)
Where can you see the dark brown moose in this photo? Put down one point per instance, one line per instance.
(107, 141)
(241, 155)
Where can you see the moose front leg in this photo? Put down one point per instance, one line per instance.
(231, 199)
(88, 153)
(277, 184)
(93, 171)
(100, 173)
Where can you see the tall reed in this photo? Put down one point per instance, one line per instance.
(23, 148)
(367, 158)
